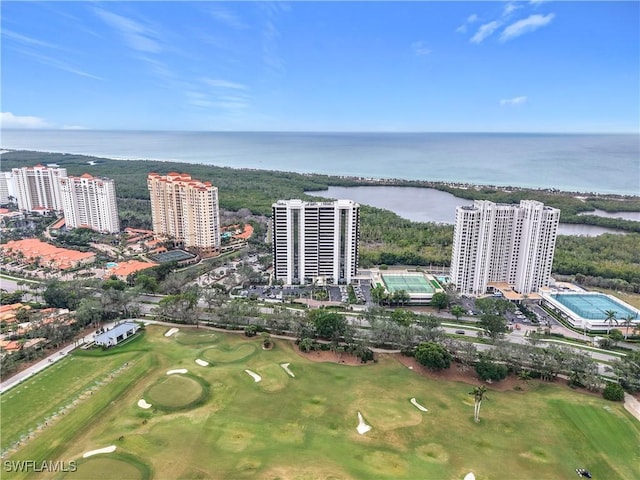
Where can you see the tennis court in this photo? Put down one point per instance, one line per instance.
(171, 256)
(592, 306)
(409, 283)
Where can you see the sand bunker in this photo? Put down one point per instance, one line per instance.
(362, 427)
(469, 476)
(142, 403)
(177, 370)
(171, 332)
(256, 377)
(109, 449)
(202, 363)
(286, 369)
(418, 406)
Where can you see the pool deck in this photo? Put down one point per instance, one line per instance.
(588, 323)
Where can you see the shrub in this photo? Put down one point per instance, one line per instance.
(488, 370)
(613, 392)
(408, 351)
(433, 356)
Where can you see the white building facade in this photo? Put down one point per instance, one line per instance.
(315, 240)
(186, 211)
(6, 187)
(37, 189)
(90, 202)
(503, 243)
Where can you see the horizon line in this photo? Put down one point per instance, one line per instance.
(484, 132)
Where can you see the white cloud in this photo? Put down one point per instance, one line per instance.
(527, 25)
(512, 102)
(470, 19)
(271, 58)
(231, 97)
(485, 31)
(217, 83)
(227, 17)
(56, 63)
(9, 120)
(32, 42)
(420, 48)
(509, 8)
(74, 127)
(136, 36)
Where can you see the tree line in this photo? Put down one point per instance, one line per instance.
(385, 237)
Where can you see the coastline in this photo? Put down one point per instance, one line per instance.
(602, 164)
(358, 180)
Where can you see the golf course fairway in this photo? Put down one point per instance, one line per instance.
(216, 422)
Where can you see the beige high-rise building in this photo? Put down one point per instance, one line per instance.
(90, 202)
(38, 188)
(186, 211)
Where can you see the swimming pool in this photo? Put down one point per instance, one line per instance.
(112, 264)
(589, 309)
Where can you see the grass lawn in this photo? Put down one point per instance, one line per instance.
(174, 391)
(305, 427)
(51, 390)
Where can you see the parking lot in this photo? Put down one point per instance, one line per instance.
(329, 293)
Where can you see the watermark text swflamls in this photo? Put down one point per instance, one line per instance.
(28, 466)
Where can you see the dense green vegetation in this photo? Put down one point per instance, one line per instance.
(607, 256)
(569, 204)
(385, 237)
(285, 427)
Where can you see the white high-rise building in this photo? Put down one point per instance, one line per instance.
(6, 187)
(38, 188)
(503, 243)
(313, 240)
(90, 202)
(185, 210)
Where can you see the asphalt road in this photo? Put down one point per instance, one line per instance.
(147, 302)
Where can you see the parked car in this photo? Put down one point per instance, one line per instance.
(460, 332)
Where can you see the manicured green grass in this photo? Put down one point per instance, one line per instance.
(195, 337)
(174, 391)
(226, 354)
(51, 390)
(103, 467)
(305, 427)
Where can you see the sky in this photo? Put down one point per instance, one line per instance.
(527, 66)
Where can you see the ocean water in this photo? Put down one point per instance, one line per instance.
(570, 162)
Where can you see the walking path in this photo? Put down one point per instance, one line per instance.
(632, 405)
(47, 361)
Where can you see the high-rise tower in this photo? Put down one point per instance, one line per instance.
(185, 210)
(37, 189)
(314, 240)
(503, 243)
(90, 202)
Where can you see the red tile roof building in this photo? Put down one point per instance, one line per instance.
(186, 211)
(45, 254)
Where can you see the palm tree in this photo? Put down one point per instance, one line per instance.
(478, 395)
(627, 321)
(610, 319)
